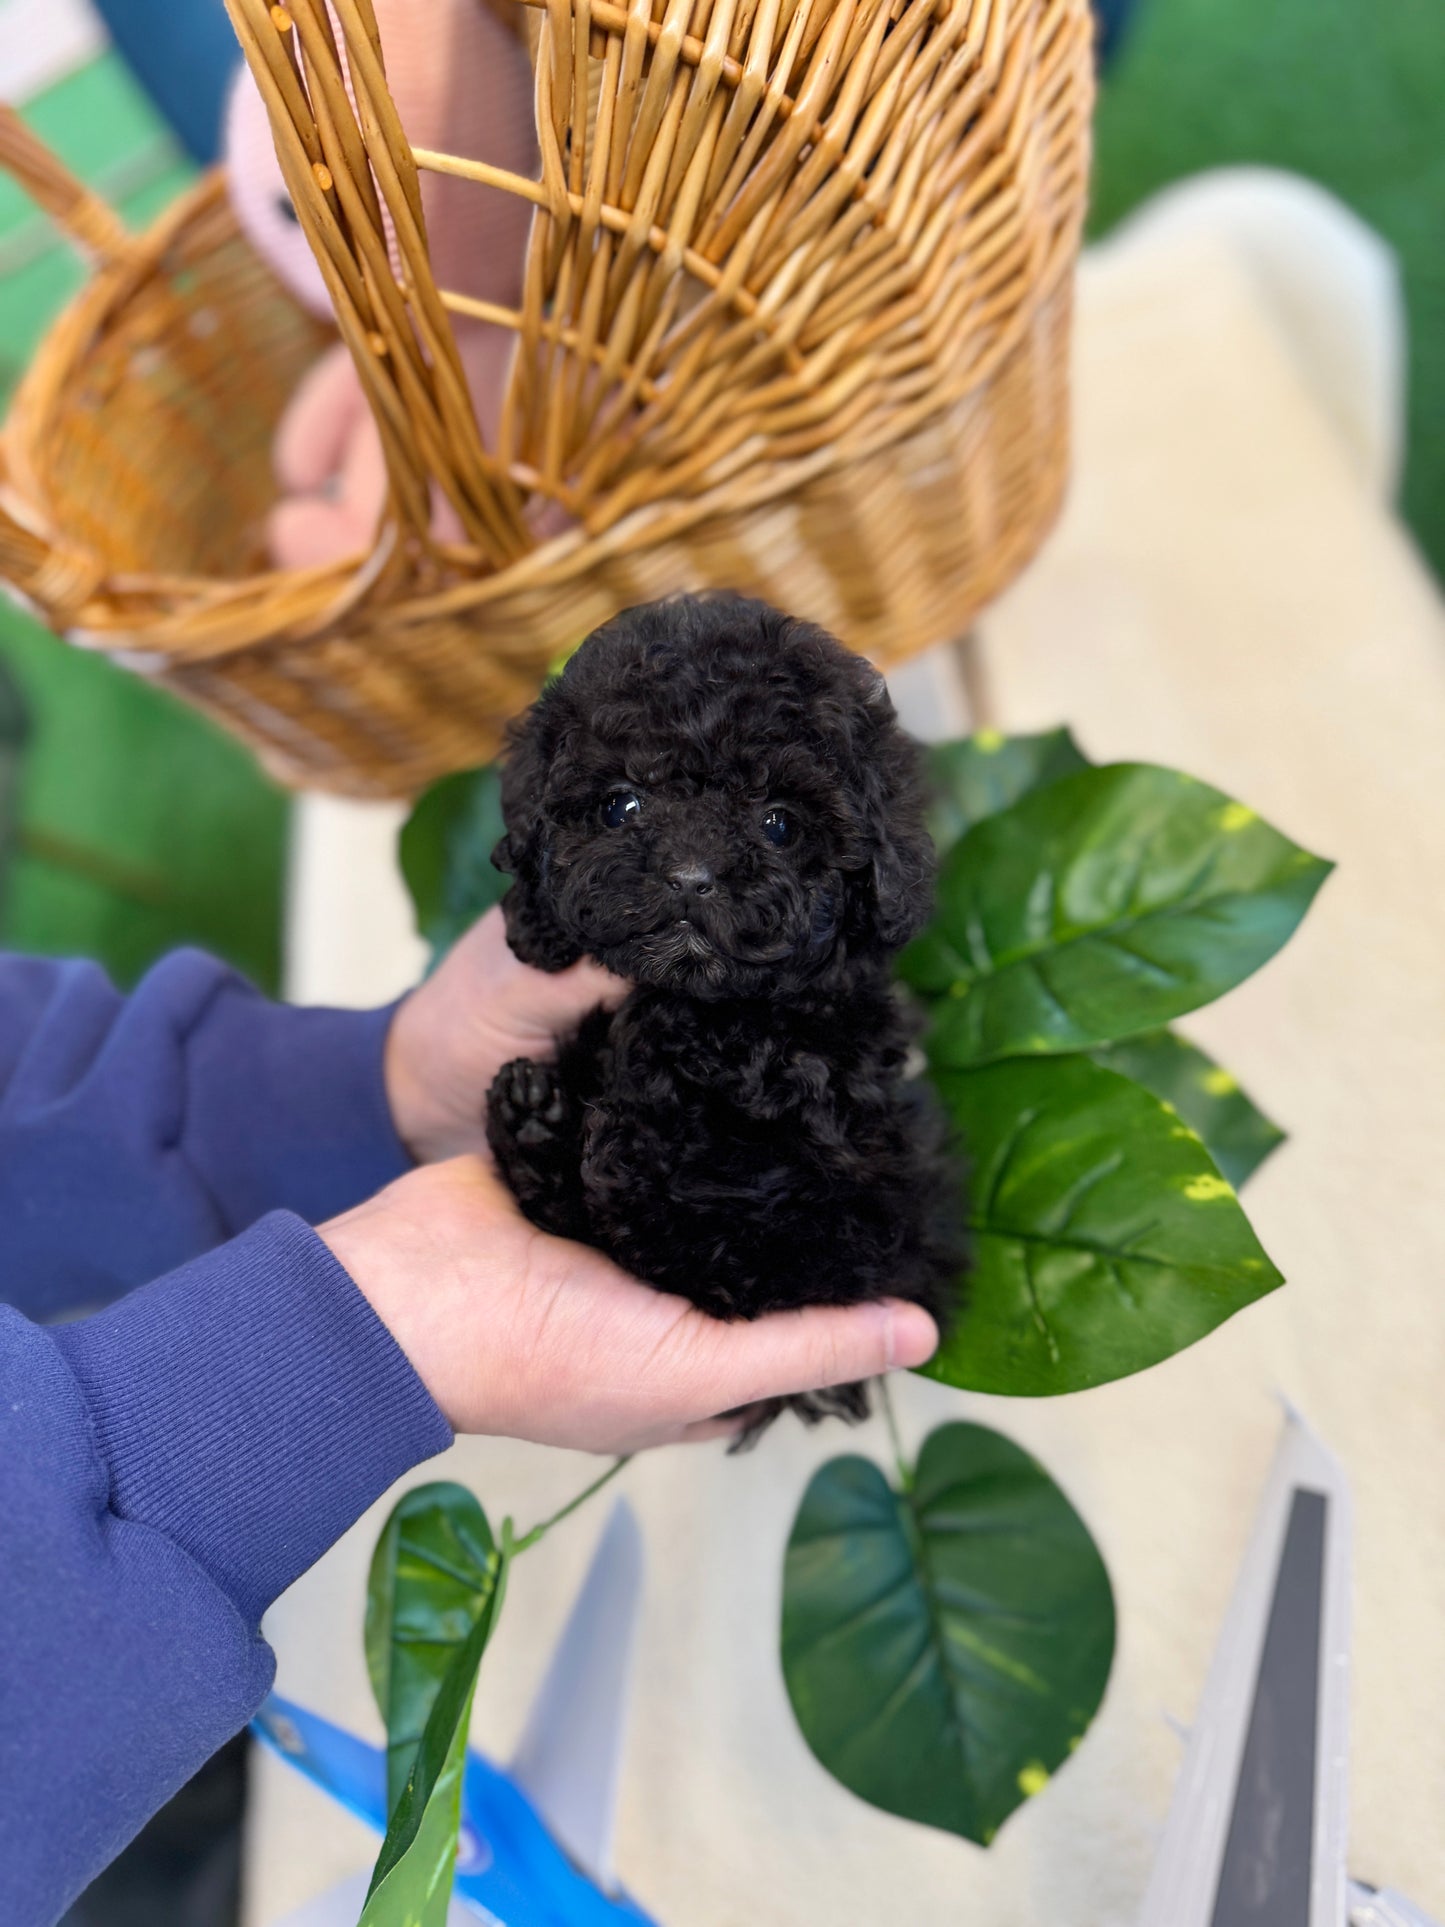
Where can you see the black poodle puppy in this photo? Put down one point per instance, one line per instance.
(717, 802)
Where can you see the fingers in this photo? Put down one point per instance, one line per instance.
(554, 999)
(303, 532)
(306, 528)
(586, 985)
(517, 1332)
(318, 423)
(686, 1376)
(800, 1351)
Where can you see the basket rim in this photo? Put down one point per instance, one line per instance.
(122, 600)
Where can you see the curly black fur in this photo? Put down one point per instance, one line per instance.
(741, 1130)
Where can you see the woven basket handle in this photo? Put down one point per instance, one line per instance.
(87, 220)
(58, 579)
(354, 184)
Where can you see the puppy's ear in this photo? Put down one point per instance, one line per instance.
(533, 931)
(903, 873)
(897, 888)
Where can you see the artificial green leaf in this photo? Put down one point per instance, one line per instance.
(1103, 1237)
(987, 772)
(433, 1572)
(411, 1883)
(945, 1647)
(122, 866)
(1237, 1134)
(1103, 905)
(446, 854)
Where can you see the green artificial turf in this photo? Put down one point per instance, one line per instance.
(1349, 92)
(141, 825)
(105, 130)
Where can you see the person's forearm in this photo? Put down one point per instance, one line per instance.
(137, 1132)
(171, 1465)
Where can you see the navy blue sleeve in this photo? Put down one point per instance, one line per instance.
(170, 1465)
(137, 1132)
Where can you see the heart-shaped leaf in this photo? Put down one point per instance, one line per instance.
(1104, 1238)
(433, 1573)
(1237, 1134)
(411, 1883)
(986, 773)
(446, 855)
(1101, 906)
(945, 1647)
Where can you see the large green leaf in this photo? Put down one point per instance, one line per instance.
(142, 825)
(1100, 906)
(411, 1883)
(433, 1572)
(945, 1647)
(986, 773)
(1237, 1134)
(1104, 1238)
(446, 854)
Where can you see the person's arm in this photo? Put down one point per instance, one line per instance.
(137, 1132)
(170, 1466)
(173, 1463)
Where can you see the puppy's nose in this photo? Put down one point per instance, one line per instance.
(692, 879)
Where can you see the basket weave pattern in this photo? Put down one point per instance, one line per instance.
(795, 321)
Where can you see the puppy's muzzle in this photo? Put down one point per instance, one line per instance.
(691, 882)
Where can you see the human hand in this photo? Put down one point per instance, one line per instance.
(526, 1336)
(478, 1010)
(331, 468)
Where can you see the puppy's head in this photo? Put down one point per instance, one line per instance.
(716, 798)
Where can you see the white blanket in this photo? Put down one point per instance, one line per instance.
(1225, 595)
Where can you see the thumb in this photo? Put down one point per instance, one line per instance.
(583, 986)
(801, 1351)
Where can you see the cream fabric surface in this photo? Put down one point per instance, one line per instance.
(1225, 595)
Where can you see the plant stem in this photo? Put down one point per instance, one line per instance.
(95, 866)
(885, 1399)
(530, 1539)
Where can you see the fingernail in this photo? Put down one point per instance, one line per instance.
(912, 1335)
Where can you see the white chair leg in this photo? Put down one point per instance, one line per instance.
(350, 937)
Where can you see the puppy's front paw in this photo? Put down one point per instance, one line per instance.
(527, 1104)
(532, 1127)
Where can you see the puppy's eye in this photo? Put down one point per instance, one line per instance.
(621, 807)
(778, 827)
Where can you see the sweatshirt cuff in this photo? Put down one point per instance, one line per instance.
(251, 1406)
(286, 1108)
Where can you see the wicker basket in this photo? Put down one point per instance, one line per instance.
(796, 321)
